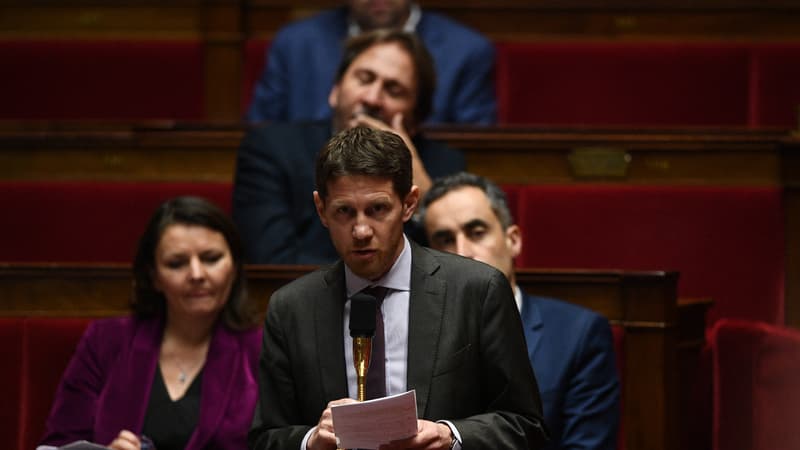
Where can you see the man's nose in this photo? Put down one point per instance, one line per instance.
(373, 95)
(362, 231)
(464, 247)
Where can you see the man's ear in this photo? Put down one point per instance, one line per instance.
(514, 240)
(333, 97)
(320, 206)
(410, 203)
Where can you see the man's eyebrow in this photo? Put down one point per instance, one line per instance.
(392, 83)
(338, 203)
(475, 223)
(440, 234)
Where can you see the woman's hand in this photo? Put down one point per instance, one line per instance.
(125, 440)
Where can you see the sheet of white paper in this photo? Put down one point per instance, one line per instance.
(83, 445)
(374, 422)
(77, 445)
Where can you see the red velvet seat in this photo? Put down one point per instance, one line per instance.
(756, 386)
(102, 79)
(48, 347)
(11, 381)
(86, 221)
(255, 52)
(622, 83)
(775, 97)
(37, 350)
(727, 242)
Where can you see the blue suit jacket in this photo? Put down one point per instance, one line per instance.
(572, 353)
(273, 206)
(106, 386)
(303, 57)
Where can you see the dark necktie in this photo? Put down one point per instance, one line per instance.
(376, 376)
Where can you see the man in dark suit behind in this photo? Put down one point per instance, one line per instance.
(451, 329)
(385, 80)
(570, 348)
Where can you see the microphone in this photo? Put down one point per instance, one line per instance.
(362, 328)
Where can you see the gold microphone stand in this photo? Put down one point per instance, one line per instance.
(362, 352)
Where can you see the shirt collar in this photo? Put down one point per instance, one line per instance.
(398, 278)
(414, 15)
(518, 297)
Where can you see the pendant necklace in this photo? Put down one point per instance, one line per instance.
(182, 375)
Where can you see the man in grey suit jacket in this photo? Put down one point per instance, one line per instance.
(451, 327)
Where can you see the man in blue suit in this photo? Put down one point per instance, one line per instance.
(302, 61)
(570, 347)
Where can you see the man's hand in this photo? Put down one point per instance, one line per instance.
(420, 176)
(430, 436)
(323, 437)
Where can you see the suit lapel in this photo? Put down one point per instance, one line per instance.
(532, 323)
(328, 320)
(130, 381)
(426, 311)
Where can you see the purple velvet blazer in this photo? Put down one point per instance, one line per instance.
(106, 385)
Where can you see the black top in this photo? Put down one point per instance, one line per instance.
(170, 424)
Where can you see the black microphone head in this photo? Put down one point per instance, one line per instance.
(362, 315)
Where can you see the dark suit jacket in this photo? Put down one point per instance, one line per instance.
(466, 355)
(106, 386)
(572, 353)
(303, 58)
(273, 205)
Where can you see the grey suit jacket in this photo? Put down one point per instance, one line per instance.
(467, 358)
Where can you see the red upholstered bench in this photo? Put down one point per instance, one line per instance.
(255, 52)
(622, 83)
(756, 386)
(726, 242)
(775, 90)
(11, 344)
(37, 352)
(85, 221)
(102, 79)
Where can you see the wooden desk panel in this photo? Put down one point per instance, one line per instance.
(659, 331)
(166, 151)
(176, 152)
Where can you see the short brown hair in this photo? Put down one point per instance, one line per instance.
(422, 59)
(365, 151)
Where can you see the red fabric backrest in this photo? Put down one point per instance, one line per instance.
(727, 242)
(622, 83)
(756, 386)
(11, 380)
(775, 85)
(513, 192)
(48, 346)
(86, 221)
(255, 52)
(102, 79)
